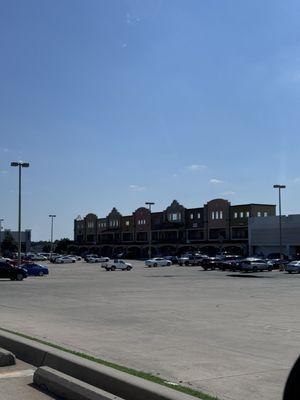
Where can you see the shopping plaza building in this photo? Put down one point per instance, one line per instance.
(216, 226)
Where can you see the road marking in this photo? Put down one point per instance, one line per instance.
(17, 374)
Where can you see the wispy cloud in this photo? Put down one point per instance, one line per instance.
(196, 167)
(227, 193)
(5, 150)
(137, 188)
(215, 181)
(132, 19)
(124, 45)
(296, 180)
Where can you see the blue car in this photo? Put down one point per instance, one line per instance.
(36, 269)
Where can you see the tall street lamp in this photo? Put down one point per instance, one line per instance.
(52, 216)
(280, 187)
(20, 165)
(149, 204)
(1, 220)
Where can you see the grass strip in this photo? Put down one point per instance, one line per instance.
(141, 374)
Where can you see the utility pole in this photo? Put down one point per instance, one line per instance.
(280, 187)
(51, 248)
(20, 165)
(1, 220)
(149, 204)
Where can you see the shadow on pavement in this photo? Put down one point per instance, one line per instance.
(249, 276)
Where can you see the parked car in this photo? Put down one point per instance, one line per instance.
(230, 262)
(12, 272)
(97, 259)
(5, 259)
(158, 262)
(90, 255)
(195, 259)
(254, 265)
(277, 262)
(47, 255)
(231, 265)
(64, 260)
(105, 261)
(35, 269)
(77, 258)
(173, 259)
(54, 256)
(212, 262)
(112, 265)
(35, 257)
(293, 267)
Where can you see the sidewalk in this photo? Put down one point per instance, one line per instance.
(16, 383)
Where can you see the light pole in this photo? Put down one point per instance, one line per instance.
(51, 248)
(149, 204)
(1, 220)
(20, 165)
(279, 187)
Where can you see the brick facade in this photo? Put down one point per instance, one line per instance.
(216, 224)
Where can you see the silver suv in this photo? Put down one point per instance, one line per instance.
(254, 265)
(112, 265)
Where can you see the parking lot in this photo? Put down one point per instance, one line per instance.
(232, 335)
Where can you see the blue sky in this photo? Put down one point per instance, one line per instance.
(119, 102)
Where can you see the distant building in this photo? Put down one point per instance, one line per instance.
(25, 238)
(216, 226)
(264, 235)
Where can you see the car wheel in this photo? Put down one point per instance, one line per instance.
(186, 263)
(254, 269)
(19, 277)
(128, 268)
(113, 268)
(154, 265)
(169, 264)
(73, 261)
(41, 273)
(291, 272)
(270, 269)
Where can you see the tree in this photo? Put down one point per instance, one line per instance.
(47, 248)
(73, 249)
(8, 244)
(62, 245)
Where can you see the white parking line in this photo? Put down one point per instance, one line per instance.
(16, 374)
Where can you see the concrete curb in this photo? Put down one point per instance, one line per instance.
(67, 387)
(6, 358)
(119, 383)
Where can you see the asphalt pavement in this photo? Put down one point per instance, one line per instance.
(232, 335)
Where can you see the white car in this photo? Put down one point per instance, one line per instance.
(64, 260)
(36, 257)
(77, 258)
(98, 259)
(112, 265)
(158, 262)
(293, 266)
